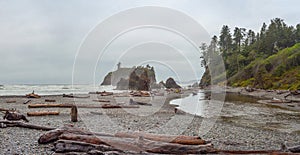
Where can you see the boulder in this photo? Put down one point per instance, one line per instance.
(170, 83)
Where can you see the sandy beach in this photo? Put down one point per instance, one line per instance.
(234, 128)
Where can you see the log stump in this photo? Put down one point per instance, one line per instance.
(74, 113)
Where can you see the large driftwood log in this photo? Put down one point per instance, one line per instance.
(79, 106)
(63, 146)
(185, 140)
(53, 135)
(141, 144)
(25, 125)
(42, 113)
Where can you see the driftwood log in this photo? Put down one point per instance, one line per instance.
(103, 93)
(185, 140)
(73, 96)
(131, 102)
(79, 106)
(50, 100)
(293, 93)
(32, 95)
(64, 146)
(11, 101)
(101, 100)
(42, 113)
(4, 109)
(25, 125)
(96, 113)
(140, 144)
(26, 101)
(140, 94)
(108, 106)
(53, 135)
(72, 140)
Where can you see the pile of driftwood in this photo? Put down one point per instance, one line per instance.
(140, 94)
(71, 139)
(32, 95)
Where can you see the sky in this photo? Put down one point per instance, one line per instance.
(40, 39)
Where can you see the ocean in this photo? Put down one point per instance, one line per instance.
(9, 90)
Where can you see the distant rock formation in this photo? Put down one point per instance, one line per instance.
(107, 79)
(140, 79)
(170, 83)
(122, 84)
(112, 78)
(195, 85)
(136, 78)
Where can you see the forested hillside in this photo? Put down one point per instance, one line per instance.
(269, 59)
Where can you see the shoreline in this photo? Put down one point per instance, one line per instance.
(266, 97)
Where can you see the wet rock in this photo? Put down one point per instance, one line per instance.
(170, 83)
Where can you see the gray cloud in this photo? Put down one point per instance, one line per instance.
(39, 39)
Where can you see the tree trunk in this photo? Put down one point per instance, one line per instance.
(42, 113)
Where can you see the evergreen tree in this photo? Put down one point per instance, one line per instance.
(225, 41)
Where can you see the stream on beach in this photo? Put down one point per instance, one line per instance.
(242, 110)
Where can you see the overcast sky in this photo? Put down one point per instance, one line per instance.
(40, 38)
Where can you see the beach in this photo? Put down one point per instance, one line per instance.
(240, 126)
